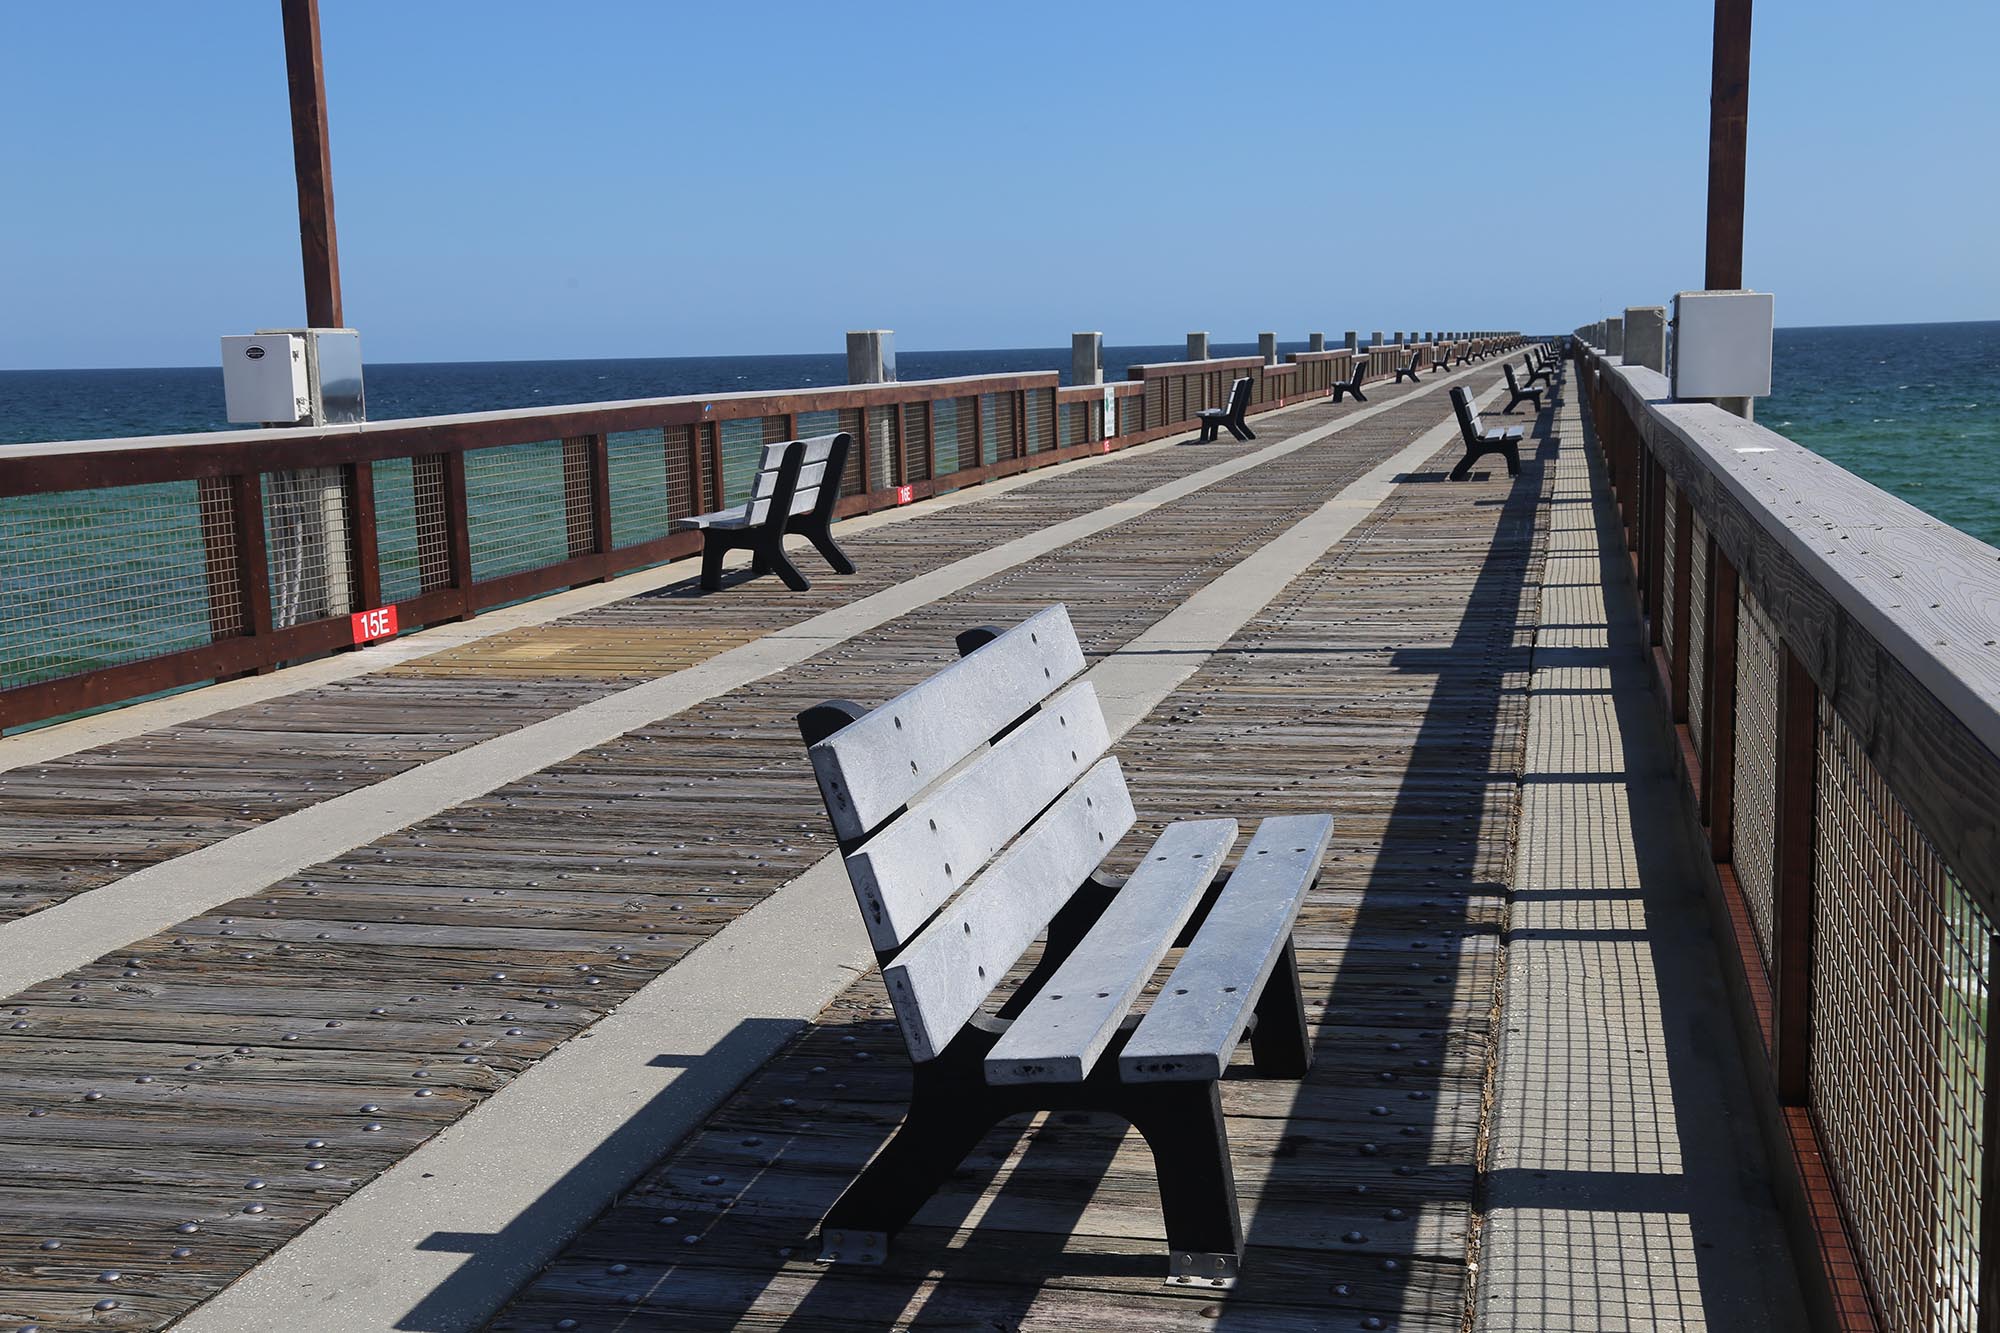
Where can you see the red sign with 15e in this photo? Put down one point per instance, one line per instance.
(371, 625)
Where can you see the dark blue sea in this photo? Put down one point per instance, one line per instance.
(1914, 408)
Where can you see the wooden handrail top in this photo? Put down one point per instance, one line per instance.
(63, 465)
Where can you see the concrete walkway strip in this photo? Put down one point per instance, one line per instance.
(441, 1240)
(51, 942)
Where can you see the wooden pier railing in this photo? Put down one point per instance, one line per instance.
(129, 567)
(1830, 659)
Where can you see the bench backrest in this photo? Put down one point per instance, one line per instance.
(821, 461)
(1512, 383)
(1468, 415)
(970, 808)
(1239, 397)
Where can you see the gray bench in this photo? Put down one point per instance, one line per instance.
(1544, 372)
(1480, 441)
(795, 489)
(975, 812)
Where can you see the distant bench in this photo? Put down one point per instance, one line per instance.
(796, 486)
(1018, 830)
(1230, 416)
(1352, 384)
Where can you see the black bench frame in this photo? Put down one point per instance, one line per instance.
(1230, 416)
(1516, 395)
(766, 540)
(1407, 368)
(953, 1107)
(1506, 443)
(1352, 384)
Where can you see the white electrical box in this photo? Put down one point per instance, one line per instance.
(264, 378)
(1722, 345)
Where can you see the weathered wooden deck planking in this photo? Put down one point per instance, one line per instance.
(1386, 683)
(417, 975)
(93, 817)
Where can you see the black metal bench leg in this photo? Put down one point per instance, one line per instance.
(936, 1136)
(1183, 1125)
(1464, 468)
(772, 556)
(712, 552)
(1240, 431)
(1280, 1045)
(823, 542)
(1513, 454)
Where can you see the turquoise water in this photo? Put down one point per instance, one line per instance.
(1914, 408)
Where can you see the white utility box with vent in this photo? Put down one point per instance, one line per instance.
(1722, 345)
(264, 378)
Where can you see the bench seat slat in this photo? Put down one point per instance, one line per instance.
(1199, 1016)
(872, 766)
(908, 869)
(939, 981)
(1061, 1033)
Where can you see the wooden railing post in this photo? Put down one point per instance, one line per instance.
(253, 565)
(600, 500)
(1683, 552)
(1792, 873)
(1989, 1165)
(363, 541)
(1718, 769)
(458, 530)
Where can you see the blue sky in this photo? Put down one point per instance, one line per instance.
(659, 179)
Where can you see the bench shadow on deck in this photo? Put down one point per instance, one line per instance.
(1357, 1184)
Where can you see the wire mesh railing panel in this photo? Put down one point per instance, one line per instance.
(996, 427)
(1755, 833)
(881, 448)
(1177, 398)
(515, 508)
(1072, 424)
(851, 421)
(916, 442)
(1156, 404)
(951, 421)
(1897, 1065)
(1041, 419)
(640, 466)
(99, 578)
(307, 545)
(1131, 414)
(1697, 634)
(396, 530)
(1667, 528)
(742, 451)
(579, 521)
(681, 444)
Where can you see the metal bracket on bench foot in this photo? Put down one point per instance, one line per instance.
(853, 1247)
(1188, 1268)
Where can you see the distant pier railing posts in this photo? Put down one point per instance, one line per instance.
(1829, 657)
(130, 567)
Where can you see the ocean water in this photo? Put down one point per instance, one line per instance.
(1914, 408)
(38, 405)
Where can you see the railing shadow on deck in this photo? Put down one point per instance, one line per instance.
(1719, 1191)
(1435, 823)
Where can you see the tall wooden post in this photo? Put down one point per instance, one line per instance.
(312, 161)
(1728, 134)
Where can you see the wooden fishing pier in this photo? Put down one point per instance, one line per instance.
(418, 911)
